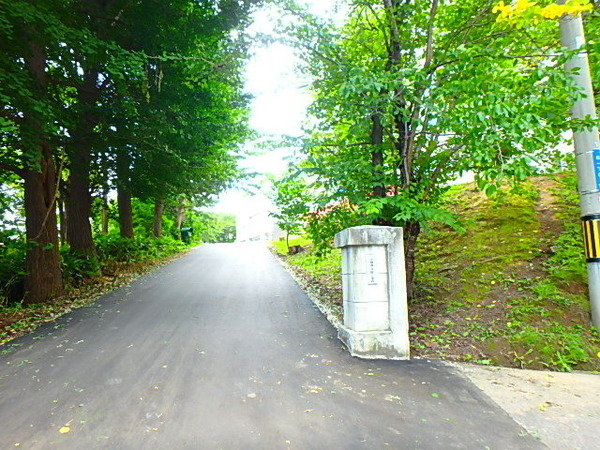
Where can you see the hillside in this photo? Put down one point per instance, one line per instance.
(509, 289)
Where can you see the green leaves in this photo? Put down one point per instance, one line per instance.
(292, 199)
(409, 99)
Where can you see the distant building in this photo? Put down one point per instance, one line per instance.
(257, 226)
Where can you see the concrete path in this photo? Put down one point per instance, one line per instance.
(561, 409)
(221, 350)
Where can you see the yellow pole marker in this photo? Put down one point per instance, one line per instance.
(591, 237)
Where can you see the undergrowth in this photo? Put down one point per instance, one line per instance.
(513, 283)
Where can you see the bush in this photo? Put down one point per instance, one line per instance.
(76, 267)
(116, 248)
(12, 270)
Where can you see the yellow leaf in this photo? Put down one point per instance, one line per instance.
(64, 430)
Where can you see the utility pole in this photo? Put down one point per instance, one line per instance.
(587, 154)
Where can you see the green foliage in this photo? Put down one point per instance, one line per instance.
(555, 346)
(292, 199)
(282, 247)
(12, 269)
(321, 268)
(77, 267)
(325, 222)
(112, 247)
(211, 227)
(324, 268)
(565, 264)
(151, 104)
(409, 97)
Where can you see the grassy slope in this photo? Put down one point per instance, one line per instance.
(509, 289)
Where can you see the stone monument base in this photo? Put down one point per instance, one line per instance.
(374, 290)
(374, 344)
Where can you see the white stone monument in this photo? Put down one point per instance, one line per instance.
(374, 286)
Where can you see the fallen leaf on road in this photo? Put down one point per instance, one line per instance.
(393, 398)
(64, 430)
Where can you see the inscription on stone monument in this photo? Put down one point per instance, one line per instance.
(371, 266)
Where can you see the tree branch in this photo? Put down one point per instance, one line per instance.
(439, 167)
(429, 48)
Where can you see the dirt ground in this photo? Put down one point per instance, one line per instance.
(560, 409)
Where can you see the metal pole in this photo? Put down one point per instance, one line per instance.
(587, 155)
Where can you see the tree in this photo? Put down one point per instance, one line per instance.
(81, 83)
(292, 199)
(410, 95)
(28, 133)
(193, 114)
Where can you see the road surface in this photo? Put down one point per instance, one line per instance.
(220, 349)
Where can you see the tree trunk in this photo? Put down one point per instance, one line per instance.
(179, 217)
(159, 207)
(79, 201)
(377, 154)
(125, 213)
(411, 235)
(377, 159)
(104, 215)
(79, 204)
(43, 279)
(123, 164)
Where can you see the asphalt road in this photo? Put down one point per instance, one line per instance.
(221, 350)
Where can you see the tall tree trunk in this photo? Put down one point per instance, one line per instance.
(124, 194)
(125, 213)
(377, 154)
(79, 201)
(104, 214)
(180, 216)
(412, 230)
(79, 204)
(379, 187)
(43, 279)
(159, 207)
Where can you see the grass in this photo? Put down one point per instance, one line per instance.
(325, 269)
(510, 289)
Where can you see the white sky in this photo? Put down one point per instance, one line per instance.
(280, 99)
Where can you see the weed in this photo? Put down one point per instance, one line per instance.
(520, 359)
